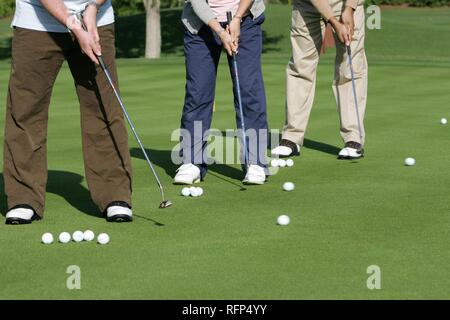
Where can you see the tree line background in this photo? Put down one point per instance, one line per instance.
(149, 27)
(129, 7)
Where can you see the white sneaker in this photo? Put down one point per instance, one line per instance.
(187, 174)
(255, 175)
(286, 148)
(352, 150)
(119, 214)
(20, 216)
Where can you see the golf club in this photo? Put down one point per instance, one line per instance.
(238, 91)
(165, 203)
(350, 61)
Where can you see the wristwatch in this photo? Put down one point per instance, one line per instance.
(93, 3)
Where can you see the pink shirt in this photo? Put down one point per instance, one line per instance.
(220, 8)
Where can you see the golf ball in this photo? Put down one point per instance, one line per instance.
(64, 237)
(283, 220)
(193, 191)
(199, 191)
(282, 163)
(88, 235)
(47, 238)
(410, 161)
(289, 162)
(288, 186)
(444, 121)
(274, 162)
(185, 192)
(103, 238)
(77, 236)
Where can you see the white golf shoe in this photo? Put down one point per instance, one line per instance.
(352, 150)
(255, 175)
(118, 211)
(286, 149)
(187, 174)
(21, 215)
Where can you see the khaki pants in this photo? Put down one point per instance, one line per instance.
(36, 60)
(307, 32)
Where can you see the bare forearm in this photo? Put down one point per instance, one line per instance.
(215, 26)
(57, 9)
(244, 6)
(351, 3)
(324, 8)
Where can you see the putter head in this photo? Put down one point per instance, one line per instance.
(165, 204)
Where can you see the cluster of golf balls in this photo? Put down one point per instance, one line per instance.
(281, 163)
(192, 191)
(77, 236)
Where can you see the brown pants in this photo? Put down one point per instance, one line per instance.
(36, 60)
(307, 32)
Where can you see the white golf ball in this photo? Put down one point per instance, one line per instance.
(200, 191)
(444, 121)
(88, 235)
(289, 162)
(103, 238)
(185, 192)
(78, 236)
(47, 238)
(194, 192)
(274, 162)
(288, 186)
(283, 220)
(410, 161)
(282, 163)
(64, 237)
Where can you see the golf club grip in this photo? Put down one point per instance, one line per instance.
(229, 17)
(349, 50)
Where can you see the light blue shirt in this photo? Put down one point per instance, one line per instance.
(30, 14)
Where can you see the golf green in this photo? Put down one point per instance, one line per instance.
(345, 215)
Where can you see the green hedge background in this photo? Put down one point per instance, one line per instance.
(129, 7)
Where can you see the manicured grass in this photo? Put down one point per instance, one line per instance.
(345, 216)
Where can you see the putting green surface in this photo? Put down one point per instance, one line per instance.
(345, 215)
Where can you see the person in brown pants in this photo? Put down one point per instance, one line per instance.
(39, 48)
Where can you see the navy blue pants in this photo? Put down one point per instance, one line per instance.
(202, 53)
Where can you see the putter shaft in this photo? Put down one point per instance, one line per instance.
(350, 61)
(239, 98)
(130, 122)
(165, 203)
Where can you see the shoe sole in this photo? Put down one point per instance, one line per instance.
(349, 157)
(19, 221)
(181, 183)
(248, 183)
(293, 154)
(119, 218)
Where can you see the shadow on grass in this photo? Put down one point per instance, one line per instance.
(320, 146)
(67, 185)
(5, 48)
(309, 144)
(162, 158)
(156, 223)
